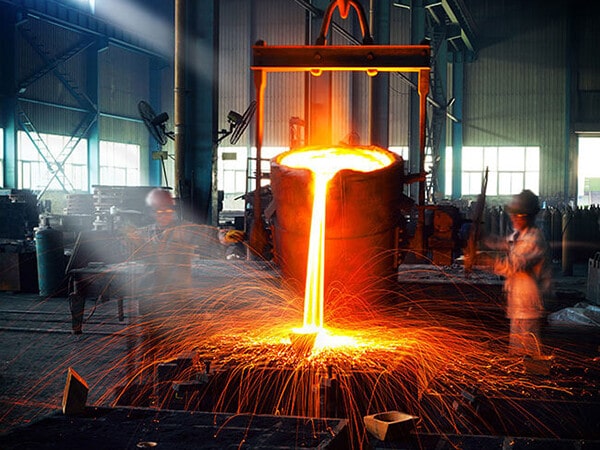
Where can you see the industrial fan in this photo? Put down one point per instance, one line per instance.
(237, 124)
(157, 128)
(155, 122)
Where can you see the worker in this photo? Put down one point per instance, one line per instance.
(168, 248)
(163, 207)
(525, 265)
(169, 244)
(234, 241)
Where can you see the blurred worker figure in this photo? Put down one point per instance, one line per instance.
(167, 298)
(525, 266)
(163, 207)
(233, 240)
(158, 244)
(169, 245)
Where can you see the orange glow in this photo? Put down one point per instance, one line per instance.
(324, 163)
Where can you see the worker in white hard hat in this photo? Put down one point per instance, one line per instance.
(163, 207)
(168, 248)
(167, 245)
(525, 266)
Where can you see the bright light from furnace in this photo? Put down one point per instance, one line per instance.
(329, 161)
(324, 163)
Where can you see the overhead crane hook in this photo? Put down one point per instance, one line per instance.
(344, 8)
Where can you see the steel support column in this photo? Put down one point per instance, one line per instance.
(180, 98)
(197, 189)
(92, 91)
(8, 95)
(458, 67)
(440, 92)
(570, 163)
(417, 35)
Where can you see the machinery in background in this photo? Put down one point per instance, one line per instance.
(118, 206)
(443, 240)
(18, 214)
(18, 219)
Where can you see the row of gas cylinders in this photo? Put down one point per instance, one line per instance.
(572, 230)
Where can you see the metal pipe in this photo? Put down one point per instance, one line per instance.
(179, 95)
(423, 91)
(258, 237)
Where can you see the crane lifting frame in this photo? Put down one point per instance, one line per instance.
(318, 58)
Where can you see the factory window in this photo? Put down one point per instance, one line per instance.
(402, 151)
(119, 164)
(231, 177)
(1, 157)
(588, 176)
(52, 163)
(236, 171)
(511, 169)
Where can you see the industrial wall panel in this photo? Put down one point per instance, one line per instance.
(341, 106)
(123, 79)
(588, 63)
(342, 88)
(361, 108)
(128, 132)
(515, 92)
(235, 85)
(399, 110)
(46, 72)
(48, 119)
(589, 105)
(399, 85)
(281, 23)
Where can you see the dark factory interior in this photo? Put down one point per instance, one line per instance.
(299, 224)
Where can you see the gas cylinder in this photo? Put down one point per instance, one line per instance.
(504, 226)
(50, 259)
(568, 227)
(495, 222)
(546, 224)
(487, 217)
(556, 232)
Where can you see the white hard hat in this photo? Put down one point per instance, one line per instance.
(159, 198)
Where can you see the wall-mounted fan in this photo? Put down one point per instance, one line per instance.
(237, 124)
(157, 128)
(155, 122)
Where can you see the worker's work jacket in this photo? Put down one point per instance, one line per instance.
(527, 273)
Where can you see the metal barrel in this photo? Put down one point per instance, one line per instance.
(363, 219)
(50, 260)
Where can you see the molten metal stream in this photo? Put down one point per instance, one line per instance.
(324, 164)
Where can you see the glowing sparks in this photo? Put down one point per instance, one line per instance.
(324, 164)
(231, 328)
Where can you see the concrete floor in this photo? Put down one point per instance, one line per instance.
(38, 346)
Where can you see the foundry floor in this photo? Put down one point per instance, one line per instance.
(36, 339)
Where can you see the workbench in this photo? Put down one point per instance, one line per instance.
(103, 282)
